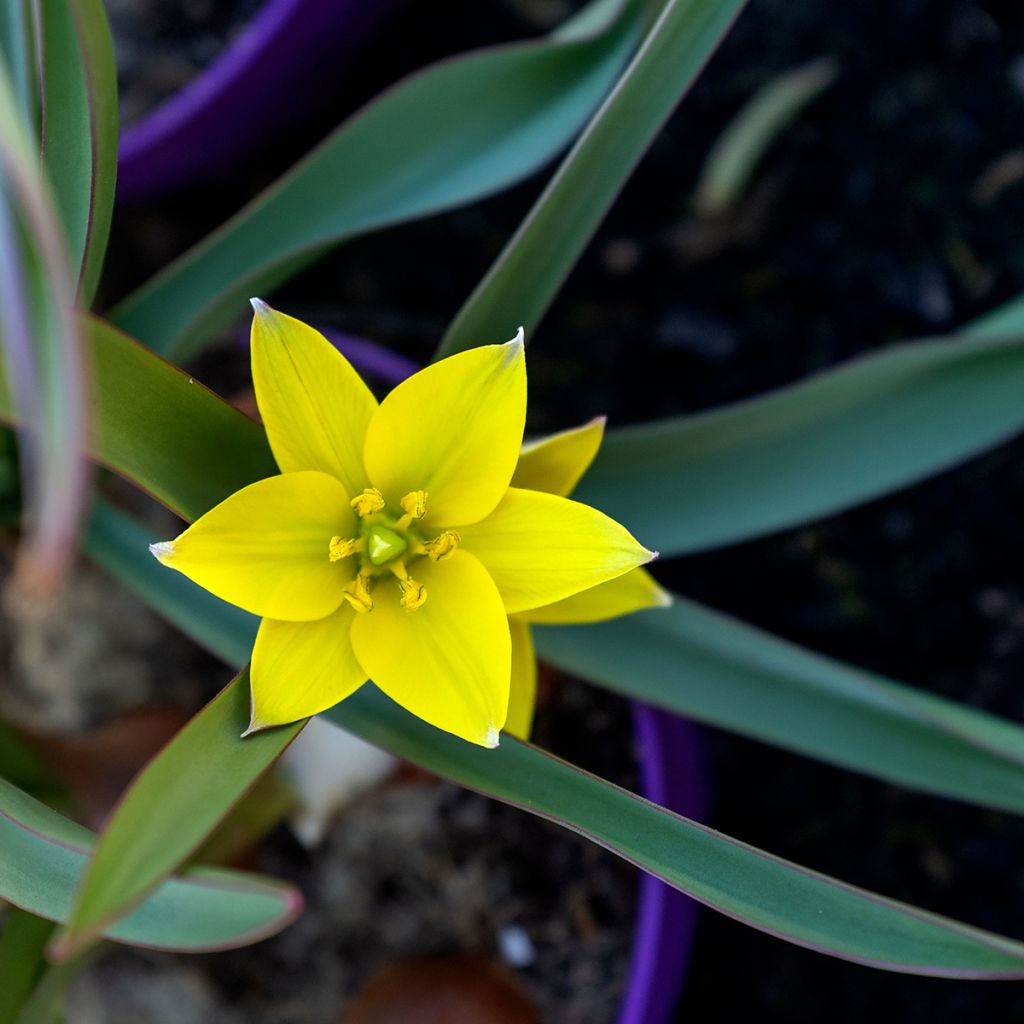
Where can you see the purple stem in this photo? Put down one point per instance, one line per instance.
(672, 774)
(372, 359)
(286, 53)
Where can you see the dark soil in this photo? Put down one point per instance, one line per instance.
(878, 217)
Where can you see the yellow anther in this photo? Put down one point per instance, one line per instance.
(414, 504)
(441, 547)
(357, 593)
(413, 594)
(342, 547)
(370, 501)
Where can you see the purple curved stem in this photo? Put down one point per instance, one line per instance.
(672, 773)
(372, 359)
(290, 50)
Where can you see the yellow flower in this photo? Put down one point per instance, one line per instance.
(400, 537)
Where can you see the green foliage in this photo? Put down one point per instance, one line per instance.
(45, 856)
(450, 135)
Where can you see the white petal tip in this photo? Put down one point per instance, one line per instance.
(254, 727)
(665, 599)
(653, 556)
(491, 740)
(162, 551)
(259, 306)
(517, 343)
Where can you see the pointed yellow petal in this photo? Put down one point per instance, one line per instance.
(267, 547)
(302, 668)
(555, 464)
(522, 696)
(541, 548)
(454, 431)
(315, 407)
(631, 592)
(449, 661)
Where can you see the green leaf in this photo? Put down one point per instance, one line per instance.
(80, 127)
(521, 284)
(705, 665)
(699, 663)
(837, 439)
(773, 895)
(732, 160)
(160, 822)
(170, 810)
(749, 885)
(41, 347)
(454, 133)
(45, 856)
(151, 423)
(18, 55)
(22, 959)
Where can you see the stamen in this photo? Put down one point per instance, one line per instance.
(370, 501)
(357, 593)
(413, 594)
(443, 546)
(342, 547)
(414, 504)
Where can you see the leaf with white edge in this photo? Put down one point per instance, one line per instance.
(528, 273)
(45, 855)
(169, 810)
(449, 135)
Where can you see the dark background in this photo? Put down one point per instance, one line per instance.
(876, 217)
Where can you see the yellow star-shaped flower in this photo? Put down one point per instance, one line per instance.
(406, 542)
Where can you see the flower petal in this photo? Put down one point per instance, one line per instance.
(541, 548)
(449, 661)
(302, 668)
(522, 697)
(631, 592)
(265, 548)
(452, 430)
(315, 407)
(555, 464)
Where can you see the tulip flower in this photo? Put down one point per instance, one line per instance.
(406, 542)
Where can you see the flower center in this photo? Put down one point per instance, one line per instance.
(384, 543)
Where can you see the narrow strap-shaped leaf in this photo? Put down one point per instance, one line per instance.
(41, 345)
(732, 160)
(738, 880)
(741, 881)
(708, 666)
(169, 810)
(45, 855)
(763, 891)
(80, 120)
(456, 132)
(220, 450)
(822, 445)
(522, 282)
(696, 662)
